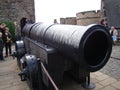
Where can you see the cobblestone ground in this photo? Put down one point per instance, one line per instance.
(9, 79)
(107, 78)
(112, 68)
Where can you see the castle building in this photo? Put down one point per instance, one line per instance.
(68, 20)
(88, 17)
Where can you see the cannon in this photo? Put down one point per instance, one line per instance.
(48, 51)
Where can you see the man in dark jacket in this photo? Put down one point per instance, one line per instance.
(2, 30)
(1, 47)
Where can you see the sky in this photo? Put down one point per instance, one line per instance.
(48, 10)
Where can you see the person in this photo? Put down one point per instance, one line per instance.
(1, 47)
(8, 38)
(2, 30)
(114, 34)
(23, 21)
(104, 23)
(55, 21)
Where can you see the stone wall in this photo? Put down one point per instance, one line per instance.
(83, 18)
(68, 20)
(88, 17)
(62, 20)
(14, 10)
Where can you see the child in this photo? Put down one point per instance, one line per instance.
(1, 47)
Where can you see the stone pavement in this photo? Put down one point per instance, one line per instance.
(106, 79)
(112, 68)
(9, 79)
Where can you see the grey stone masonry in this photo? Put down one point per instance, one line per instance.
(16, 9)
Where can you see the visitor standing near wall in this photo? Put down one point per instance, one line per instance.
(114, 34)
(8, 41)
(2, 30)
(1, 48)
(55, 21)
(104, 23)
(17, 31)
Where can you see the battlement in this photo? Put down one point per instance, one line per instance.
(88, 14)
(88, 17)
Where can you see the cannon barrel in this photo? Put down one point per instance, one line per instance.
(89, 46)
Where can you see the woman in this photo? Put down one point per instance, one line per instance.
(114, 34)
(8, 38)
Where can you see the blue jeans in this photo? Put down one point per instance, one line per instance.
(114, 38)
